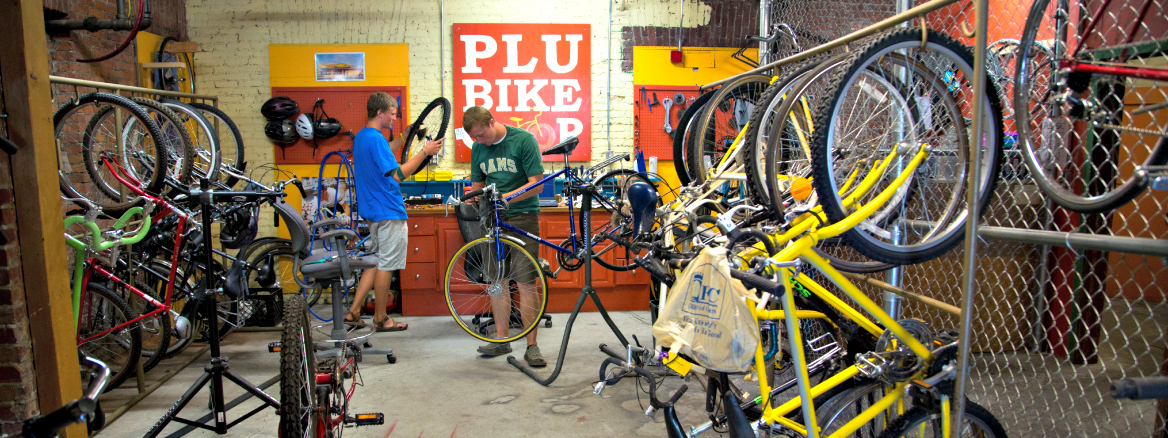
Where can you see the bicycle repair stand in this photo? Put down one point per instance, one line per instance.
(587, 191)
(217, 369)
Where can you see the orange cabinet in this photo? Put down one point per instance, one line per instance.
(435, 238)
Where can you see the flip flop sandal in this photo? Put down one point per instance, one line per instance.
(356, 319)
(399, 326)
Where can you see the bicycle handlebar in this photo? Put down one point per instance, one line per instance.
(99, 244)
(656, 404)
(74, 412)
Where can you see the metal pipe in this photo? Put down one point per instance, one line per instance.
(93, 24)
(121, 15)
(127, 88)
(846, 39)
(1078, 241)
(764, 26)
(972, 194)
(608, 88)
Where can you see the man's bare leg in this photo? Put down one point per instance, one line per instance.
(381, 281)
(363, 287)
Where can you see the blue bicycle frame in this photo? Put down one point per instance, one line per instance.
(573, 179)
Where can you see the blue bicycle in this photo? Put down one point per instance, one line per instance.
(496, 275)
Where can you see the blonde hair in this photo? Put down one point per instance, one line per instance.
(476, 116)
(379, 101)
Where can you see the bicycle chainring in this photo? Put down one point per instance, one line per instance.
(902, 363)
(569, 262)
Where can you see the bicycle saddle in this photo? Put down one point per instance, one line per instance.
(563, 148)
(643, 199)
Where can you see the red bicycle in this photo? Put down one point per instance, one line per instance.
(1090, 110)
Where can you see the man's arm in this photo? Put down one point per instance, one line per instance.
(407, 169)
(531, 181)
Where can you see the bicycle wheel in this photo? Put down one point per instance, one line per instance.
(273, 267)
(298, 413)
(683, 137)
(612, 219)
(872, 109)
(430, 125)
(87, 128)
(919, 422)
(794, 160)
(847, 405)
(479, 281)
(721, 123)
(177, 143)
(229, 141)
(1086, 135)
(156, 330)
(207, 158)
(102, 310)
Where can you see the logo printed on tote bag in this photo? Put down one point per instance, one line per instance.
(705, 297)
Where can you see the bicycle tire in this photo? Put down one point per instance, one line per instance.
(759, 129)
(102, 309)
(435, 128)
(847, 405)
(941, 173)
(616, 219)
(470, 284)
(228, 139)
(298, 412)
(681, 137)
(207, 157)
(281, 259)
(1068, 156)
(155, 331)
(722, 121)
(179, 148)
(137, 159)
(77, 135)
(917, 418)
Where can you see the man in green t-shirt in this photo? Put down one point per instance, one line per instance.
(509, 158)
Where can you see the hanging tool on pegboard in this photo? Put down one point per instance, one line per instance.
(668, 105)
(653, 102)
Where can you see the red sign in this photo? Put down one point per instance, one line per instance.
(537, 77)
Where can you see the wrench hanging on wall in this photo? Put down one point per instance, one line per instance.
(667, 103)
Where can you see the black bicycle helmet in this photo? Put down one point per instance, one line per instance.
(282, 132)
(324, 126)
(279, 108)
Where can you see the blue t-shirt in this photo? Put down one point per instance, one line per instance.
(378, 194)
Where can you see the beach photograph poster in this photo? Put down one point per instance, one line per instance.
(340, 66)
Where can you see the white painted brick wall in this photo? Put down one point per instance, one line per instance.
(234, 35)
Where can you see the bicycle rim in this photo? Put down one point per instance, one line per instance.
(228, 139)
(430, 125)
(479, 282)
(207, 158)
(682, 137)
(926, 95)
(1084, 135)
(82, 135)
(721, 123)
(920, 423)
(297, 372)
(120, 349)
(177, 143)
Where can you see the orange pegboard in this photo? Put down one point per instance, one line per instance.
(649, 123)
(346, 104)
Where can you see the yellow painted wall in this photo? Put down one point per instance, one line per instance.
(700, 66)
(294, 65)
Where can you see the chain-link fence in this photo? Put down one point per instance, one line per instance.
(1053, 324)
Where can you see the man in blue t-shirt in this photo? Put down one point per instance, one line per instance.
(378, 178)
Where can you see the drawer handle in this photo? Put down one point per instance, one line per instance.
(415, 226)
(415, 250)
(417, 276)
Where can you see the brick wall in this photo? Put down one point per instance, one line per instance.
(18, 399)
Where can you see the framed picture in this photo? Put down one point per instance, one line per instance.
(340, 66)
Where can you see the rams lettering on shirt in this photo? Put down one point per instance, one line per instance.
(500, 164)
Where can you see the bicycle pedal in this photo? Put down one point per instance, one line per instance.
(275, 347)
(372, 419)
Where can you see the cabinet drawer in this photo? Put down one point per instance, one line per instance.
(421, 250)
(420, 226)
(418, 276)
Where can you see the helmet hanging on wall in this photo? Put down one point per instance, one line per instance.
(282, 132)
(279, 108)
(324, 126)
(304, 126)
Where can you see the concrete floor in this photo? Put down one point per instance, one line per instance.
(441, 387)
